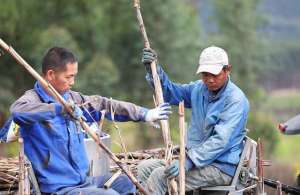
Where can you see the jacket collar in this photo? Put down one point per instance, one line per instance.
(213, 96)
(45, 97)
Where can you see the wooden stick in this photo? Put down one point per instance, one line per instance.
(158, 94)
(21, 168)
(50, 89)
(112, 179)
(26, 181)
(7, 176)
(101, 121)
(182, 149)
(24, 184)
(260, 172)
(6, 180)
(123, 146)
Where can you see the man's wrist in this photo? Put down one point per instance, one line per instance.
(143, 114)
(59, 109)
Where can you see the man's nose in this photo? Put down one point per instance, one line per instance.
(72, 82)
(210, 79)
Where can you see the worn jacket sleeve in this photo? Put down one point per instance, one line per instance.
(29, 109)
(114, 109)
(232, 118)
(173, 92)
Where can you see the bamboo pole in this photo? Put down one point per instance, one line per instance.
(278, 188)
(101, 121)
(158, 96)
(50, 89)
(24, 185)
(260, 172)
(21, 168)
(182, 149)
(112, 179)
(26, 180)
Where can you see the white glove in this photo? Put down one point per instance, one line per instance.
(159, 113)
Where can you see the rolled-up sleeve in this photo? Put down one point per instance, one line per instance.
(173, 92)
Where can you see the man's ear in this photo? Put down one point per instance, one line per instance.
(228, 68)
(50, 75)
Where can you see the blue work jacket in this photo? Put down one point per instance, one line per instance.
(54, 142)
(217, 124)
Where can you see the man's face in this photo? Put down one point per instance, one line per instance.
(215, 82)
(63, 81)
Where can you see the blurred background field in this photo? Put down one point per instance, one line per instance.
(261, 37)
(284, 104)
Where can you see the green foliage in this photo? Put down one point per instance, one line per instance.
(288, 148)
(237, 23)
(284, 99)
(262, 125)
(90, 80)
(177, 36)
(167, 26)
(6, 95)
(54, 36)
(282, 105)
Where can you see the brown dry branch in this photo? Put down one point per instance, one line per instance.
(132, 159)
(182, 149)
(9, 173)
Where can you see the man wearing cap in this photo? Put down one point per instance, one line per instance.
(216, 128)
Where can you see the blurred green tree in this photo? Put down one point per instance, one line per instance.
(237, 24)
(100, 76)
(261, 125)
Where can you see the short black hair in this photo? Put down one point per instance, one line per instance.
(56, 59)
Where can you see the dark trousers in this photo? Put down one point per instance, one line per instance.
(94, 186)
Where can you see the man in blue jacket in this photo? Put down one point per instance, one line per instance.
(53, 139)
(216, 129)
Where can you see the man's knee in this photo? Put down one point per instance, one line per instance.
(124, 185)
(104, 192)
(149, 165)
(157, 182)
(146, 164)
(157, 177)
(141, 167)
(145, 168)
(124, 179)
(159, 173)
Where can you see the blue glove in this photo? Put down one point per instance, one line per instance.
(149, 55)
(77, 112)
(173, 169)
(159, 113)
